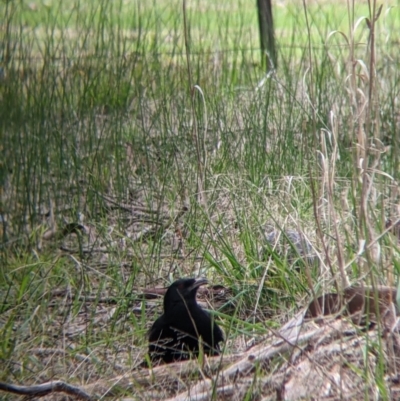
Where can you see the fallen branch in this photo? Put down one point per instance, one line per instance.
(41, 390)
(255, 356)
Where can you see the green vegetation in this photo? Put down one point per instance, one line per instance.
(128, 159)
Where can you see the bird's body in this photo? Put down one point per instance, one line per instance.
(175, 334)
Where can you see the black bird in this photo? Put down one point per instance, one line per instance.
(176, 333)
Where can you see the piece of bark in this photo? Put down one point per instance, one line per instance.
(357, 301)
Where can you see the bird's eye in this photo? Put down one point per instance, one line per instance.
(181, 286)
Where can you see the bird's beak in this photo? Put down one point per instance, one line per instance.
(199, 282)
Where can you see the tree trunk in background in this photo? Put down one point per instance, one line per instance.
(267, 37)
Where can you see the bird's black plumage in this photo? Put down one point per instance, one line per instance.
(175, 334)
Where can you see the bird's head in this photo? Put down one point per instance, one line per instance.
(183, 291)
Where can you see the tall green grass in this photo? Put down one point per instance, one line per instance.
(97, 104)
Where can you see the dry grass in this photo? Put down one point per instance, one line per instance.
(118, 178)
